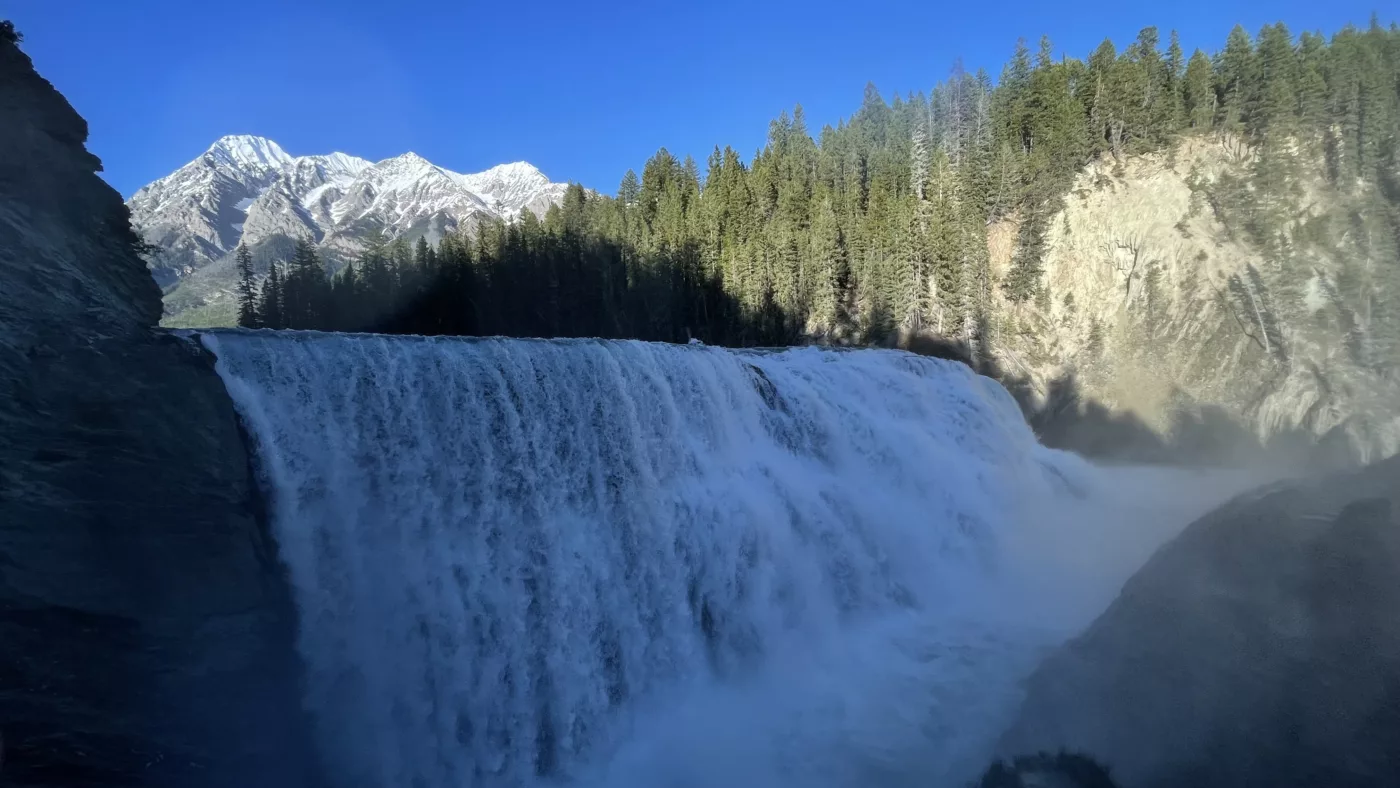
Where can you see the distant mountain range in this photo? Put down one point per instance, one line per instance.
(248, 190)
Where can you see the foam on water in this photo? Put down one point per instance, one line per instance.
(527, 562)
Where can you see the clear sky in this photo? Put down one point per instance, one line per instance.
(583, 89)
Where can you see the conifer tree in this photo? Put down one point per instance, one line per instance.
(1235, 78)
(270, 307)
(879, 224)
(1176, 71)
(630, 189)
(247, 289)
(1198, 92)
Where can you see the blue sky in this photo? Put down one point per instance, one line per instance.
(582, 89)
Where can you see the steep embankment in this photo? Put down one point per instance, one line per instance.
(1261, 647)
(144, 632)
(1178, 280)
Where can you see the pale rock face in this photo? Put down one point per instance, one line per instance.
(1134, 253)
(247, 190)
(195, 214)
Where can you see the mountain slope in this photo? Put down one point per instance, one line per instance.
(248, 190)
(196, 213)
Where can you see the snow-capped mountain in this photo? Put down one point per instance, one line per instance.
(248, 190)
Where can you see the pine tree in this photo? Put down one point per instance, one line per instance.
(1143, 103)
(1235, 81)
(1176, 71)
(909, 294)
(829, 256)
(270, 307)
(304, 296)
(1312, 87)
(1274, 106)
(1101, 93)
(630, 189)
(247, 290)
(1198, 92)
(1023, 280)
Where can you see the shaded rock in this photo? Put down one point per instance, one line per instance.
(145, 631)
(1261, 647)
(1044, 770)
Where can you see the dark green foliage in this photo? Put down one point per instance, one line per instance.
(305, 291)
(8, 33)
(1023, 280)
(878, 225)
(247, 290)
(630, 189)
(270, 302)
(1235, 81)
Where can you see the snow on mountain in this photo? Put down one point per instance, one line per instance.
(245, 152)
(248, 190)
(194, 214)
(513, 187)
(405, 190)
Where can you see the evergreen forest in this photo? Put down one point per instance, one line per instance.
(875, 230)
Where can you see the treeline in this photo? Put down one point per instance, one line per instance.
(877, 227)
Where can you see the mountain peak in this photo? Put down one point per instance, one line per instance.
(245, 150)
(411, 159)
(515, 168)
(247, 190)
(512, 186)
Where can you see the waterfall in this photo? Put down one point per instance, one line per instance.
(583, 562)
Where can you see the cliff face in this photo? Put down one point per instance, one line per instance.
(66, 239)
(145, 633)
(1160, 298)
(1260, 647)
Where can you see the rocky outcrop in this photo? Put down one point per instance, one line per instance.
(1160, 303)
(145, 632)
(1261, 647)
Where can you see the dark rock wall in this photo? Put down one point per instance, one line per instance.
(145, 628)
(1261, 647)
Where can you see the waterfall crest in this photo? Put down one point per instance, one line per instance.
(522, 562)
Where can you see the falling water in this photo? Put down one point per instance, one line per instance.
(524, 562)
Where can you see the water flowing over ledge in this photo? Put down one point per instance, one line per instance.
(521, 562)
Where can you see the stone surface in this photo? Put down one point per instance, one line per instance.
(1138, 264)
(145, 629)
(1261, 647)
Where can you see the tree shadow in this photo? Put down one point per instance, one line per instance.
(1064, 417)
(1198, 433)
(560, 286)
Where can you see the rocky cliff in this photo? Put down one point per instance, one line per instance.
(1261, 647)
(145, 633)
(1161, 299)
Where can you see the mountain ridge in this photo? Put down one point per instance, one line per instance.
(246, 189)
